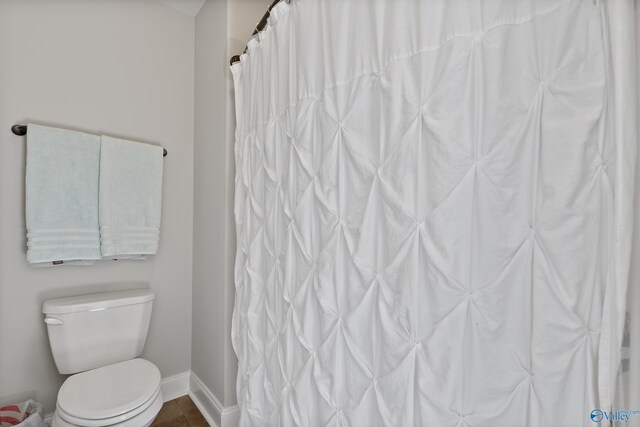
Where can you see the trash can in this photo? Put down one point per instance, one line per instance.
(24, 414)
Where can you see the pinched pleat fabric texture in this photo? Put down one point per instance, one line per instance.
(433, 214)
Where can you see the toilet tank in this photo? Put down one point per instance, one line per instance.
(90, 331)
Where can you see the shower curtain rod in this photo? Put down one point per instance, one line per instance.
(259, 27)
(21, 130)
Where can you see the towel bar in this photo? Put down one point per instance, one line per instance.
(21, 130)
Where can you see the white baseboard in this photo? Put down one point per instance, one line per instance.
(213, 411)
(175, 386)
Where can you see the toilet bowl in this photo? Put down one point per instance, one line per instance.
(98, 338)
(125, 394)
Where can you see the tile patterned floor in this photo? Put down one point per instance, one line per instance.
(180, 412)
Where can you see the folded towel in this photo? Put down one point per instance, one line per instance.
(130, 198)
(62, 196)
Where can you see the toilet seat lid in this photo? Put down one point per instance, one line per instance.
(109, 391)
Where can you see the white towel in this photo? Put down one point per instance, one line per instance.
(61, 196)
(130, 198)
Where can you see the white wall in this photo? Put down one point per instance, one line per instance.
(120, 67)
(222, 30)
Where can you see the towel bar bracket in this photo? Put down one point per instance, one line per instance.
(21, 130)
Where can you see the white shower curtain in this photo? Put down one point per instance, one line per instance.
(434, 209)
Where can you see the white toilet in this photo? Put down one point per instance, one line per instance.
(98, 337)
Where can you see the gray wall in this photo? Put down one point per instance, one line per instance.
(210, 186)
(222, 30)
(125, 68)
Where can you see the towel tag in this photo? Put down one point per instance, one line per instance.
(58, 262)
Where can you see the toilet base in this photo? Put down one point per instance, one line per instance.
(143, 419)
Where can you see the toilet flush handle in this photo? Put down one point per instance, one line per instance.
(52, 321)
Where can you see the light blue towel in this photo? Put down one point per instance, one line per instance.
(130, 198)
(62, 196)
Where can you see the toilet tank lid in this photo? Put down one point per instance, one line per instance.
(96, 301)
